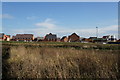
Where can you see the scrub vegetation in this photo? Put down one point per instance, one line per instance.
(60, 60)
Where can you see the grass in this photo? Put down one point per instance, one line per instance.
(39, 61)
(76, 45)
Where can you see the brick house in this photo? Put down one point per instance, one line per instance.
(50, 37)
(73, 38)
(4, 37)
(23, 37)
(64, 39)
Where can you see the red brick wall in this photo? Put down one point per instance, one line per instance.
(73, 38)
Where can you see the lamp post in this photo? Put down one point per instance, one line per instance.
(97, 32)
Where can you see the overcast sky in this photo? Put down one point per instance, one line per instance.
(61, 18)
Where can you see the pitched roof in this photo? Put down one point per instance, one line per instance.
(74, 34)
(24, 34)
(99, 39)
(51, 36)
(92, 37)
(63, 37)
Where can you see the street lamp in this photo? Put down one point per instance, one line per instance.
(97, 32)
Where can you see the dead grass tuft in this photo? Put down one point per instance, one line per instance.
(46, 62)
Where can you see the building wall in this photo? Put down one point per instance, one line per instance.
(50, 37)
(73, 38)
(23, 37)
(5, 38)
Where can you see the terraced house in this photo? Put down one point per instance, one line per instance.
(23, 37)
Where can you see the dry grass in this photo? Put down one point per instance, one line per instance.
(46, 62)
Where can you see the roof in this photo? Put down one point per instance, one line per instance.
(99, 39)
(51, 36)
(24, 35)
(63, 37)
(74, 34)
(105, 36)
(92, 37)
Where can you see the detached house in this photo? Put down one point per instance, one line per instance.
(91, 39)
(73, 38)
(109, 38)
(4, 37)
(64, 39)
(50, 37)
(85, 40)
(23, 37)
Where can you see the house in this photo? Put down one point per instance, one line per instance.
(95, 39)
(110, 38)
(91, 39)
(64, 39)
(4, 37)
(23, 37)
(73, 38)
(100, 40)
(105, 37)
(50, 37)
(7, 38)
(85, 40)
(38, 39)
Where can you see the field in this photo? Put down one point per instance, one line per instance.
(60, 60)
